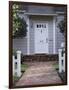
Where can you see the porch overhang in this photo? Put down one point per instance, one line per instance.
(41, 14)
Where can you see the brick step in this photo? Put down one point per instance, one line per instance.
(40, 57)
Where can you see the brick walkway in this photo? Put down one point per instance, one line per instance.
(39, 73)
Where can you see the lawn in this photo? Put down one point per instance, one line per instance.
(56, 66)
(24, 67)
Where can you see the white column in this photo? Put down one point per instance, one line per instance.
(54, 37)
(19, 63)
(28, 36)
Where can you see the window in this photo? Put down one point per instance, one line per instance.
(37, 25)
(41, 25)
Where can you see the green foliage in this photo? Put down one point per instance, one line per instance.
(56, 66)
(14, 52)
(61, 26)
(24, 67)
(15, 79)
(19, 24)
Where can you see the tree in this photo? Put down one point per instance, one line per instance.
(61, 26)
(19, 24)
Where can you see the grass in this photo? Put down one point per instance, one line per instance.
(15, 79)
(24, 67)
(56, 66)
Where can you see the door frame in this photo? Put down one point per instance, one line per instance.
(39, 21)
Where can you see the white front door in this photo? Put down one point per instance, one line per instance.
(41, 37)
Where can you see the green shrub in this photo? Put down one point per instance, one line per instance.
(14, 52)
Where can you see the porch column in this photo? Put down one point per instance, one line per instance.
(28, 36)
(54, 36)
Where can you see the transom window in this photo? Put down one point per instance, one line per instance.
(41, 25)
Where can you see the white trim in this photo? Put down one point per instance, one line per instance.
(34, 21)
(28, 13)
(54, 28)
(59, 12)
(48, 35)
(28, 37)
(45, 14)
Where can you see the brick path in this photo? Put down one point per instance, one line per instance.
(39, 73)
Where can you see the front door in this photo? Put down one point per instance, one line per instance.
(41, 37)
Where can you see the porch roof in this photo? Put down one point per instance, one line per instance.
(43, 14)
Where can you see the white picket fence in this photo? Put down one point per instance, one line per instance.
(17, 64)
(61, 59)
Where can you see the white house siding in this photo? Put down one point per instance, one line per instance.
(40, 9)
(50, 31)
(20, 44)
(59, 36)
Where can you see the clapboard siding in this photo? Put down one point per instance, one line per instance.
(39, 9)
(20, 44)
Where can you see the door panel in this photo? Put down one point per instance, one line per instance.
(41, 37)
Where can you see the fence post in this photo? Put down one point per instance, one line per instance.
(64, 60)
(19, 63)
(61, 60)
